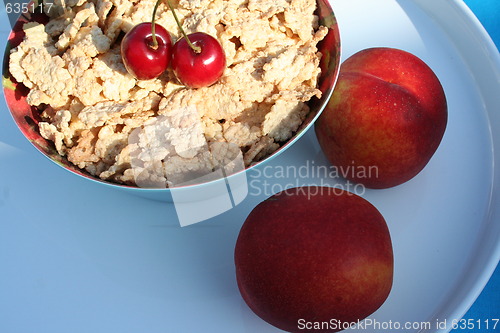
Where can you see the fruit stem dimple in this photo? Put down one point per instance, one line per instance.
(195, 48)
(154, 45)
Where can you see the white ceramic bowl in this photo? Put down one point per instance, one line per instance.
(27, 119)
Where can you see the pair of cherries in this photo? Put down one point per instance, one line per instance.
(197, 60)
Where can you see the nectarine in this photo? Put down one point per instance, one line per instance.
(387, 114)
(314, 259)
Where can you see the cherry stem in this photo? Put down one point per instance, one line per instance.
(195, 48)
(153, 30)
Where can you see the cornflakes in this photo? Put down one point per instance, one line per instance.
(158, 132)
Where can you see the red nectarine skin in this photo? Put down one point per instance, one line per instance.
(317, 257)
(388, 111)
(404, 70)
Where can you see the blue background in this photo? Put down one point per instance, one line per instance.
(487, 306)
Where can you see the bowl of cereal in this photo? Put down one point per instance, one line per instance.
(71, 96)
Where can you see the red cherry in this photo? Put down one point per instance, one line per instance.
(196, 69)
(141, 58)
